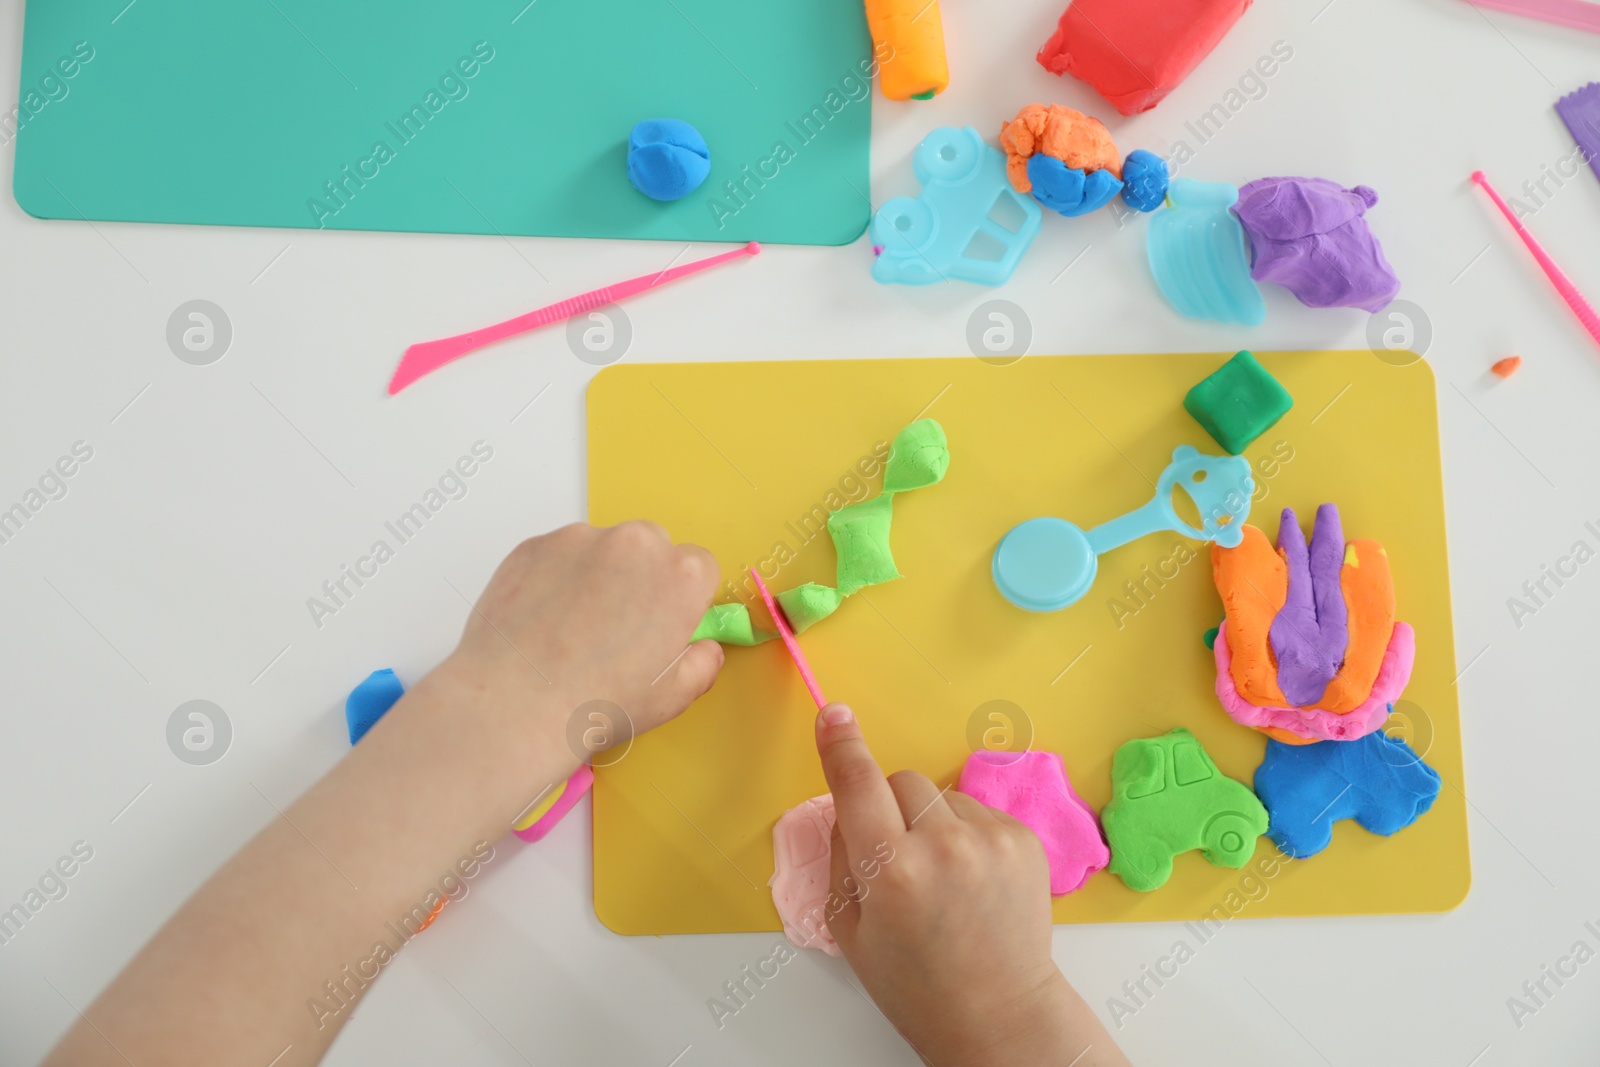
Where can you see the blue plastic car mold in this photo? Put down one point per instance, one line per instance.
(1378, 780)
(1046, 564)
(926, 240)
(1198, 255)
(1067, 190)
(368, 701)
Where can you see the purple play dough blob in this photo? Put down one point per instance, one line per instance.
(1309, 236)
(1310, 632)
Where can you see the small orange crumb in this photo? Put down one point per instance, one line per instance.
(1505, 368)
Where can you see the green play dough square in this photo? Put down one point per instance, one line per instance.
(919, 457)
(1238, 403)
(860, 535)
(808, 604)
(729, 624)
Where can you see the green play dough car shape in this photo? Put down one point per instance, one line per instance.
(1168, 797)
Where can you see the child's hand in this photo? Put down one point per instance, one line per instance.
(589, 614)
(947, 920)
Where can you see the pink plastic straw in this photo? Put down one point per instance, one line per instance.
(1558, 278)
(785, 632)
(1578, 14)
(429, 356)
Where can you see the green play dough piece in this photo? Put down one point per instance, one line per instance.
(807, 604)
(1211, 637)
(919, 456)
(1238, 403)
(729, 624)
(1167, 797)
(860, 535)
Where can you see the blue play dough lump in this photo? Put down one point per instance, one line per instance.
(1144, 180)
(1067, 190)
(1378, 780)
(667, 159)
(368, 701)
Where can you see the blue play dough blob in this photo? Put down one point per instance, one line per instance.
(368, 701)
(1144, 180)
(667, 159)
(1378, 780)
(1067, 190)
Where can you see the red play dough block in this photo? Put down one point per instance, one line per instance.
(1135, 52)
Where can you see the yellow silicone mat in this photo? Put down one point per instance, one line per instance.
(736, 456)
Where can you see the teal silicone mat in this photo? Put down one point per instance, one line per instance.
(456, 116)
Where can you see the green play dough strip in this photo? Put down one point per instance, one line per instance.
(919, 457)
(729, 624)
(805, 605)
(860, 535)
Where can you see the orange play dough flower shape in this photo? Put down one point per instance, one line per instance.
(1080, 141)
(1255, 581)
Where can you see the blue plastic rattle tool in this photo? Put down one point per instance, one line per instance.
(926, 240)
(1198, 255)
(1046, 564)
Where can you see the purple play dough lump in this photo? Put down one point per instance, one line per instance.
(1309, 236)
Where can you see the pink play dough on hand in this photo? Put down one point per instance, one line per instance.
(1032, 787)
(802, 865)
(1393, 676)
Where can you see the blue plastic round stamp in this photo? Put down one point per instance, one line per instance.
(1044, 564)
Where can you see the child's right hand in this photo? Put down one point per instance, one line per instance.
(947, 917)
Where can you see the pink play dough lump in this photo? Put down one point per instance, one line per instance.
(1311, 723)
(1032, 787)
(802, 864)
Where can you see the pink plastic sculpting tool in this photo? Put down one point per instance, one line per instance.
(1578, 14)
(1558, 278)
(787, 633)
(429, 356)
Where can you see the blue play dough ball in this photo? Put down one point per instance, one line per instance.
(667, 159)
(1144, 180)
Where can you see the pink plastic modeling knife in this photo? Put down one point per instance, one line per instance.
(1578, 14)
(787, 633)
(1558, 278)
(429, 356)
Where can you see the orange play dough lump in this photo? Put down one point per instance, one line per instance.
(1078, 140)
(1369, 605)
(1254, 583)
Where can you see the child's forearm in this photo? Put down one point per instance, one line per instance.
(268, 957)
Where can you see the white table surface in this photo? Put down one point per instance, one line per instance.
(220, 497)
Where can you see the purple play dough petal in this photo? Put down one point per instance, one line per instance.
(1310, 632)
